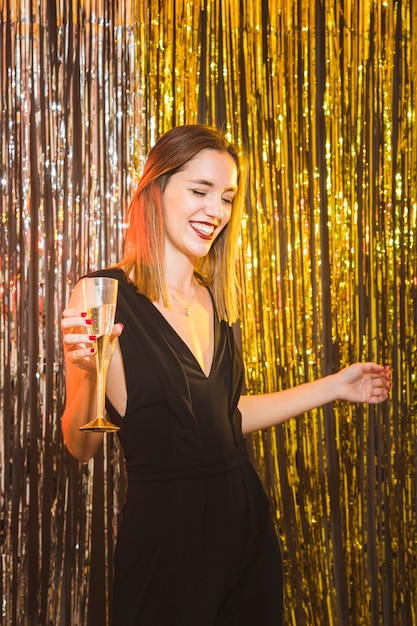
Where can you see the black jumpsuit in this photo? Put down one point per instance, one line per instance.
(196, 545)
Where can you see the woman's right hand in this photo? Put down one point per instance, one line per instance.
(78, 340)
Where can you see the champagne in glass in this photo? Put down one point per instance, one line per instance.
(100, 297)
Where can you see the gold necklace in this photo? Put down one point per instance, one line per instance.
(185, 307)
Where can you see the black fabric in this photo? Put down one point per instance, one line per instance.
(196, 546)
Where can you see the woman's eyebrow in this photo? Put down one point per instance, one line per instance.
(208, 183)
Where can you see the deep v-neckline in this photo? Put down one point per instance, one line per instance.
(186, 347)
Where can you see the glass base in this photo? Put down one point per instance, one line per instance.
(100, 425)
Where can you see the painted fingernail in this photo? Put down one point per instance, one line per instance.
(88, 321)
(92, 337)
(83, 314)
(122, 325)
(92, 350)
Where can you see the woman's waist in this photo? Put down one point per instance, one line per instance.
(177, 469)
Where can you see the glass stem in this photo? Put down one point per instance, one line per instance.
(101, 388)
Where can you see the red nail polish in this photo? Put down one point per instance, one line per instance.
(88, 321)
(83, 314)
(92, 350)
(92, 337)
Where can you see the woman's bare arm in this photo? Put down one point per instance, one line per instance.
(80, 376)
(361, 382)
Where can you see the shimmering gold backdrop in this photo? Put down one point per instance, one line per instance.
(324, 97)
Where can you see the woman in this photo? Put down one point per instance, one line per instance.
(196, 545)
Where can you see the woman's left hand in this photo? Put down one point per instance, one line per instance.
(364, 382)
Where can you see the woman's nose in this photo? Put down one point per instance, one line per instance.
(215, 208)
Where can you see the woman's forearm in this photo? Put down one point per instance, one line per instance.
(80, 409)
(266, 410)
(360, 382)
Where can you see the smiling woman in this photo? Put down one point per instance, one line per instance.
(196, 210)
(145, 243)
(196, 529)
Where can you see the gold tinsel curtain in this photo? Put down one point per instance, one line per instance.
(323, 95)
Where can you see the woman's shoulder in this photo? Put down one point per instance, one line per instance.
(128, 292)
(110, 272)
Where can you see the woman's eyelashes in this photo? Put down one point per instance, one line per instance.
(198, 192)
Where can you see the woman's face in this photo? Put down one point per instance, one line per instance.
(197, 203)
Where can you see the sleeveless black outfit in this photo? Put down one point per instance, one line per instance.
(196, 545)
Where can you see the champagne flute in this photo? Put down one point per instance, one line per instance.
(100, 298)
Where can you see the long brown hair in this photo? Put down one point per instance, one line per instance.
(143, 259)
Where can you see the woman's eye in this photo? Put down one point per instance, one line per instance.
(197, 192)
(228, 200)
